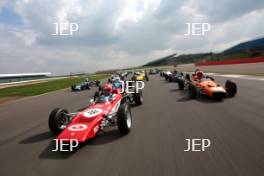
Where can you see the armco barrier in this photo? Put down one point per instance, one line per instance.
(234, 61)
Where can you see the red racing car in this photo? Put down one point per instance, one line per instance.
(110, 108)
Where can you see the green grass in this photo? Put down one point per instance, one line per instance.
(44, 87)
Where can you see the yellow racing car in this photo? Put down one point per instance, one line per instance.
(140, 76)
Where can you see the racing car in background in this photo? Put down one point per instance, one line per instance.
(124, 74)
(198, 83)
(165, 74)
(175, 76)
(85, 85)
(102, 112)
(114, 78)
(140, 76)
(154, 71)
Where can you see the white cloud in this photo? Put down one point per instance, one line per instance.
(120, 33)
(27, 36)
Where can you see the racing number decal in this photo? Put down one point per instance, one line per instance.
(92, 112)
(77, 127)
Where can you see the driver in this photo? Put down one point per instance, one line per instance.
(106, 90)
(117, 84)
(199, 74)
(105, 94)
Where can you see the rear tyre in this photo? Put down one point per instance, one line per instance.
(138, 98)
(231, 88)
(58, 120)
(192, 91)
(87, 86)
(97, 83)
(133, 78)
(73, 87)
(187, 77)
(96, 95)
(147, 78)
(124, 119)
(181, 84)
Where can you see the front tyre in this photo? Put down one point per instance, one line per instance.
(147, 78)
(138, 98)
(181, 84)
(96, 95)
(97, 83)
(73, 87)
(192, 91)
(58, 120)
(87, 86)
(231, 88)
(187, 77)
(124, 119)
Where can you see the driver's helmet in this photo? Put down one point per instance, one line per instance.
(197, 70)
(117, 83)
(106, 89)
(199, 74)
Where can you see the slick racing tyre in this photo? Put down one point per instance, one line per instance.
(147, 78)
(124, 119)
(130, 83)
(187, 76)
(87, 86)
(192, 91)
(138, 98)
(58, 120)
(96, 95)
(133, 78)
(97, 83)
(231, 88)
(181, 84)
(73, 87)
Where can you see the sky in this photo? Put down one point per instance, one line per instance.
(117, 33)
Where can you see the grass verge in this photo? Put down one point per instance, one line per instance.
(41, 88)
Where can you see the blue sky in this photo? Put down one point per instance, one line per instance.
(9, 16)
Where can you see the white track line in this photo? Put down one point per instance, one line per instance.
(240, 76)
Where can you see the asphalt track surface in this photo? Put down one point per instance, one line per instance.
(156, 143)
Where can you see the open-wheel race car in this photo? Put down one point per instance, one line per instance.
(175, 76)
(108, 108)
(85, 85)
(198, 83)
(140, 76)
